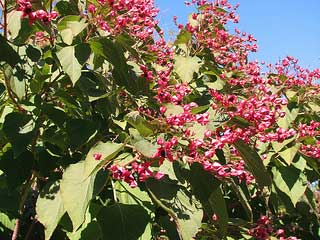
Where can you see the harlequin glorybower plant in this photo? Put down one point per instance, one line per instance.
(109, 132)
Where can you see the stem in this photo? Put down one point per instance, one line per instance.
(16, 230)
(11, 93)
(5, 18)
(114, 192)
(30, 229)
(21, 206)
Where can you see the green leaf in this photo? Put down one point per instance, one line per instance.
(20, 28)
(183, 37)
(70, 26)
(33, 53)
(254, 162)
(114, 54)
(207, 189)
(76, 192)
(123, 221)
(8, 54)
(80, 132)
(142, 145)
(289, 153)
(6, 221)
(173, 109)
(180, 204)
(50, 208)
(17, 169)
(288, 119)
(14, 23)
(19, 129)
(72, 58)
(128, 195)
(17, 86)
(277, 146)
(108, 151)
(139, 123)
(67, 8)
(290, 181)
(186, 67)
(90, 227)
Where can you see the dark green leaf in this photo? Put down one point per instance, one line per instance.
(183, 37)
(142, 125)
(123, 222)
(254, 162)
(19, 129)
(290, 181)
(180, 205)
(8, 54)
(207, 189)
(80, 132)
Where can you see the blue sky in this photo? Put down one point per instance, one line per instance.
(282, 27)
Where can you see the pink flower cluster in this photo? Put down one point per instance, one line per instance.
(136, 16)
(264, 230)
(165, 149)
(39, 15)
(232, 169)
(143, 171)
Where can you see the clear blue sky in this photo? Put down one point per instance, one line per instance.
(282, 27)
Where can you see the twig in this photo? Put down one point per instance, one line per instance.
(21, 206)
(30, 229)
(5, 19)
(16, 230)
(11, 94)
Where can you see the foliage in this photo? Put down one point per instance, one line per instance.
(109, 132)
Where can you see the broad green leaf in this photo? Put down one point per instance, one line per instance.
(217, 85)
(108, 151)
(207, 189)
(9, 199)
(14, 23)
(17, 86)
(80, 132)
(123, 221)
(19, 129)
(128, 195)
(70, 26)
(50, 208)
(183, 37)
(67, 8)
(20, 28)
(139, 123)
(114, 54)
(76, 192)
(277, 146)
(173, 109)
(290, 181)
(242, 198)
(200, 109)
(72, 58)
(289, 153)
(168, 169)
(8, 54)
(254, 162)
(180, 204)
(142, 145)
(6, 221)
(186, 67)
(89, 228)
(17, 169)
(288, 119)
